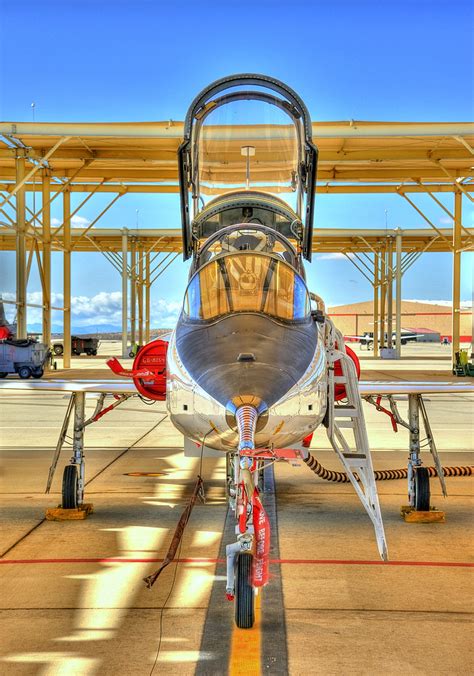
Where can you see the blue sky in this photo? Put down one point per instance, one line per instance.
(145, 60)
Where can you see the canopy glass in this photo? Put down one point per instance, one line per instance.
(239, 142)
(247, 282)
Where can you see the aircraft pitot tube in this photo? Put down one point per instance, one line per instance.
(246, 417)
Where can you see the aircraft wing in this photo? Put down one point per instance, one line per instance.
(115, 386)
(374, 387)
(118, 386)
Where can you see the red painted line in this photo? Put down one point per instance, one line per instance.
(344, 562)
(299, 562)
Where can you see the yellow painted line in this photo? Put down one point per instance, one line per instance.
(144, 474)
(245, 652)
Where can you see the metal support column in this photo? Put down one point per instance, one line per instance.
(78, 443)
(414, 459)
(124, 293)
(398, 293)
(67, 280)
(21, 283)
(383, 293)
(140, 297)
(456, 321)
(376, 306)
(147, 298)
(45, 188)
(472, 316)
(133, 293)
(390, 293)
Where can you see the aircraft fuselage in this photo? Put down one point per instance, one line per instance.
(257, 345)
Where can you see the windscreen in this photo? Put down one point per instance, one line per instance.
(247, 282)
(247, 145)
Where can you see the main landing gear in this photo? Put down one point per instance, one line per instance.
(72, 493)
(74, 473)
(419, 508)
(418, 476)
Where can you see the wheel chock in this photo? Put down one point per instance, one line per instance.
(411, 515)
(60, 514)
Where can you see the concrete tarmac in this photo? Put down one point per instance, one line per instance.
(72, 597)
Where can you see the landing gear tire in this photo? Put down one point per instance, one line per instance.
(70, 487)
(58, 349)
(24, 372)
(244, 594)
(422, 489)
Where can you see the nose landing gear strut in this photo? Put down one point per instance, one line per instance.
(247, 558)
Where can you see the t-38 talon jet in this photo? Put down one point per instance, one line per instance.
(254, 365)
(367, 339)
(252, 368)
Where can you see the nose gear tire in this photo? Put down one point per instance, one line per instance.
(244, 595)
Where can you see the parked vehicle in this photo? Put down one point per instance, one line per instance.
(78, 345)
(24, 357)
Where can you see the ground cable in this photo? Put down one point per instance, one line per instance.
(380, 475)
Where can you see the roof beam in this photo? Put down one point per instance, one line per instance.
(36, 168)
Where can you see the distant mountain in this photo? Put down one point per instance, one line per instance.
(37, 328)
(77, 330)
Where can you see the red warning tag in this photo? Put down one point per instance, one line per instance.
(261, 525)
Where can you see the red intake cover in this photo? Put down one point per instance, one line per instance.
(340, 390)
(152, 357)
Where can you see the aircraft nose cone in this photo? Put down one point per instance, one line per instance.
(246, 355)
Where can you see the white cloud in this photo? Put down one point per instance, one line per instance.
(103, 308)
(79, 221)
(76, 222)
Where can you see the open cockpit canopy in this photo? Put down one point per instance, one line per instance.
(235, 130)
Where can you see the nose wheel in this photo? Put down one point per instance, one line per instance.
(244, 593)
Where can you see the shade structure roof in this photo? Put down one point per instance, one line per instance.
(353, 155)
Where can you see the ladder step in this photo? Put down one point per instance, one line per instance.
(346, 412)
(346, 424)
(360, 456)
